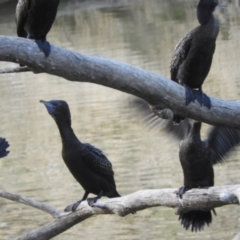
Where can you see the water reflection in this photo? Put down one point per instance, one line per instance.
(139, 32)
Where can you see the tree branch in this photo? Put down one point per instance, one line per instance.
(237, 237)
(30, 202)
(203, 199)
(15, 70)
(151, 87)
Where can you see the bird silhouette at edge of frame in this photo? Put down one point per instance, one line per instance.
(34, 20)
(3, 147)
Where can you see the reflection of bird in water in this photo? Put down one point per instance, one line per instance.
(197, 158)
(192, 56)
(34, 19)
(3, 147)
(88, 164)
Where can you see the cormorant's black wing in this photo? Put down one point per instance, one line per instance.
(152, 119)
(21, 16)
(222, 141)
(3, 147)
(97, 161)
(179, 131)
(179, 54)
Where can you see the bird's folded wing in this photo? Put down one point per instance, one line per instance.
(97, 161)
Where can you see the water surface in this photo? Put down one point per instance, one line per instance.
(138, 32)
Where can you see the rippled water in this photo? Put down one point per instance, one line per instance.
(139, 32)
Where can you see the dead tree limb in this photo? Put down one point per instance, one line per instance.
(15, 70)
(151, 87)
(203, 199)
(30, 202)
(237, 237)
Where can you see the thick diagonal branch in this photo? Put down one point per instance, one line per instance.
(151, 87)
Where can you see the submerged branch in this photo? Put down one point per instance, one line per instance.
(203, 199)
(151, 87)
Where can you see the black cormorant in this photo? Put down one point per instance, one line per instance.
(197, 158)
(89, 166)
(34, 20)
(3, 147)
(192, 56)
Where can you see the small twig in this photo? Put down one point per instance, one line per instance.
(30, 202)
(15, 70)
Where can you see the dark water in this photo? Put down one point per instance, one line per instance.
(139, 32)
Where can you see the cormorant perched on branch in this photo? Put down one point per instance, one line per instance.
(192, 56)
(3, 147)
(34, 19)
(89, 166)
(197, 158)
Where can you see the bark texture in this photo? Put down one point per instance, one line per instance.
(203, 199)
(155, 89)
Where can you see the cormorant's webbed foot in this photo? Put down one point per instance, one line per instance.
(44, 46)
(192, 95)
(73, 207)
(164, 113)
(177, 119)
(91, 201)
(189, 93)
(181, 191)
(202, 98)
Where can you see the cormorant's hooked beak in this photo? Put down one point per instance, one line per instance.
(50, 107)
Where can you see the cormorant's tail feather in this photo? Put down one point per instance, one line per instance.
(114, 194)
(3, 146)
(196, 219)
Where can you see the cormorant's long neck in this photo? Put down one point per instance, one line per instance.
(204, 16)
(211, 28)
(67, 135)
(194, 133)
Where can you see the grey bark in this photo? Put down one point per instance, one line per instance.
(155, 89)
(203, 199)
(237, 237)
(15, 70)
(30, 202)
